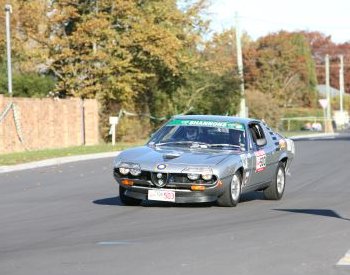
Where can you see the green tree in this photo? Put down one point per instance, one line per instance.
(29, 54)
(26, 84)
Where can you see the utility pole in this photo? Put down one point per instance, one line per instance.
(328, 92)
(243, 108)
(328, 122)
(8, 11)
(341, 82)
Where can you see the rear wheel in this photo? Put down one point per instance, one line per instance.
(232, 192)
(276, 189)
(127, 200)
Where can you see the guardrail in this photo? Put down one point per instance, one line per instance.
(313, 119)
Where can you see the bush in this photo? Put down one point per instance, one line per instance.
(28, 85)
(263, 106)
(336, 103)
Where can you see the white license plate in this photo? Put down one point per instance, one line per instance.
(161, 195)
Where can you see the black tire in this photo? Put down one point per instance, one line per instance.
(276, 189)
(127, 200)
(229, 199)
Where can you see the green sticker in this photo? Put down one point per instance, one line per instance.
(206, 123)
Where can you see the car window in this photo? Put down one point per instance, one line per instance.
(181, 135)
(257, 132)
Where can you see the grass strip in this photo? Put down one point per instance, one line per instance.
(29, 156)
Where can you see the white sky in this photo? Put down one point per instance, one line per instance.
(260, 17)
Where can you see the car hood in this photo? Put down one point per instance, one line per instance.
(175, 158)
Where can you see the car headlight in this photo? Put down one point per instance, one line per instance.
(193, 173)
(124, 170)
(132, 168)
(135, 170)
(193, 176)
(207, 176)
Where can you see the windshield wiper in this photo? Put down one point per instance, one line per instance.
(196, 144)
(225, 145)
(175, 142)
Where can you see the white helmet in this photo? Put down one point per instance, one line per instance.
(191, 133)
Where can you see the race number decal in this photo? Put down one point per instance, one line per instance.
(260, 161)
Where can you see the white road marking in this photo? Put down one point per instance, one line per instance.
(114, 243)
(345, 260)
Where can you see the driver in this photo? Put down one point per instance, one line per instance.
(235, 137)
(191, 133)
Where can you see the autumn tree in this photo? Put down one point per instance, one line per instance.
(321, 45)
(281, 65)
(132, 53)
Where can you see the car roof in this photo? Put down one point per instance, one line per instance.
(216, 118)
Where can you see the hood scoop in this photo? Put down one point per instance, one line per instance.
(172, 155)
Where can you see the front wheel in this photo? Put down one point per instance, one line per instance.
(276, 189)
(232, 192)
(127, 200)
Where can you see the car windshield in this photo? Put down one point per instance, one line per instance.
(202, 134)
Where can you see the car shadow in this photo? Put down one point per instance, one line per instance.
(115, 201)
(252, 196)
(318, 212)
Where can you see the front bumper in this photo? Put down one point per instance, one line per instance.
(183, 192)
(181, 196)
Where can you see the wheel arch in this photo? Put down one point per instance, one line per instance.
(284, 160)
(240, 170)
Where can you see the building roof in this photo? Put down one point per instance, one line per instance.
(322, 89)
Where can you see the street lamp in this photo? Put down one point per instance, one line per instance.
(8, 10)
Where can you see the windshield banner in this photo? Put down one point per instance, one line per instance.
(206, 123)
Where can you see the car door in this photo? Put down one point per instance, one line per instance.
(262, 154)
(272, 153)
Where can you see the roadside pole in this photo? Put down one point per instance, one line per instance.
(8, 11)
(341, 82)
(242, 108)
(341, 117)
(324, 104)
(328, 123)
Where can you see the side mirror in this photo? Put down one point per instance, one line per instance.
(261, 141)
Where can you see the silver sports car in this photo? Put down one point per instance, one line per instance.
(197, 158)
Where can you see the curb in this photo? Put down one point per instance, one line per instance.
(323, 135)
(55, 161)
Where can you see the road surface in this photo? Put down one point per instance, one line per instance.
(68, 219)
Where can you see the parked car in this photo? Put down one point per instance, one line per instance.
(197, 158)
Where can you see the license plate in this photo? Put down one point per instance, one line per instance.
(161, 195)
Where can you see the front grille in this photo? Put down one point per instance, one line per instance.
(159, 179)
(171, 180)
(182, 178)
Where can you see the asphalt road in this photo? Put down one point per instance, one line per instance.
(68, 219)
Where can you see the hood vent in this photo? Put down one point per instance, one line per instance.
(172, 155)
